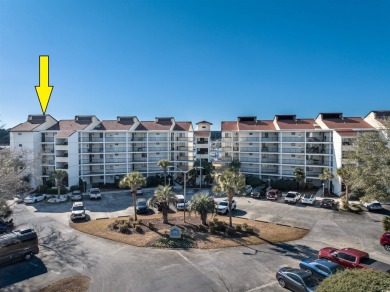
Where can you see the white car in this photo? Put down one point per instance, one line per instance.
(223, 207)
(95, 194)
(308, 199)
(373, 206)
(180, 203)
(33, 198)
(139, 192)
(292, 197)
(77, 211)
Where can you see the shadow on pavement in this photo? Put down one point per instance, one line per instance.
(21, 271)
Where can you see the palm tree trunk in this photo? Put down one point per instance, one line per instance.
(134, 193)
(165, 214)
(346, 196)
(203, 217)
(165, 177)
(230, 212)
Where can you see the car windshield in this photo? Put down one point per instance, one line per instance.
(139, 189)
(180, 201)
(141, 203)
(327, 201)
(290, 195)
(78, 208)
(376, 205)
(76, 193)
(94, 191)
(223, 203)
(271, 193)
(306, 196)
(310, 281)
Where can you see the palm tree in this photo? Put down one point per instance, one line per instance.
(132, 181)
(58, 176)
(346, 173)
(299, 174)
(164, 165)
(202, 204)
(230, 183)
(163, 196)
(326, 176)
(235, 164)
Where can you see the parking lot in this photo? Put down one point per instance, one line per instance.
(244, 268)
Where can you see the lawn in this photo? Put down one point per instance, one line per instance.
(151, 232)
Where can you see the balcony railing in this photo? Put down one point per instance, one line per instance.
(249, 139)
(269, 139)
(269, 171)
(48, 151)
(140, 159)
(48, 162)
(92, 139)
(269, 149)
(47, 139)
(288, 172)
(317, 150)
(293, 139)
(86, 172)
(115, 139)
(317, 139)
(269, 160)
(249, 149)
(116, 149)
(157, 149)
(116, 170)
(156, 159)
(317, 162)
(249, 159)
(226, 158)
(190, 139)
(158, 139)
(228, 139)
(293, 150)
(91, 150)
(137, 139)
(293, 161)
(247, 169)
(93, 161)
(115, 160)
(184, 158)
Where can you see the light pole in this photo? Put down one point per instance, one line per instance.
(323, 189)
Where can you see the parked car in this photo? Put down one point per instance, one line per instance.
(139, 192)
(308, 199)
(373, 206)
(292, 197)
(180, 203)
(327, 203)
(248, 190)
(320, 268)
(141, 206)
(296, 280)
(385, 240)
(17, 245)
(76, 196)
(223, 207)
(352, 258)
(95, 194)
(77, 211)
(273, 194)
(259, 191)
(33, 198)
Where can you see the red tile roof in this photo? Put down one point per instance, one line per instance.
(69, 125)
(114, 125)
(346, 133)
(229, 126)
(25, 127)
(347, 123)
(182, 126)
(202, 134)
(298, 124)
(256, 126)
(204, 122)
(153, 126)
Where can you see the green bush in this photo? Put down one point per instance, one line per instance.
(356, 280)
(151, 226)
(309, 186)
(211, 224)
(254, 181)
(212, 229)
(386, 223)
(238, 228)
(41, 189)
(202, 228)
(115, 226)
(250, 230)
(139, 221)
(284, 185)
(124, 228)
(131, 218)
(154, 181)
(74, 188)
(138, 229)
(245, 226)
(230, 231)
(220, 227)
(54, 191)
(215, 220)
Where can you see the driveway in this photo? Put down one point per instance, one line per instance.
(118, 267)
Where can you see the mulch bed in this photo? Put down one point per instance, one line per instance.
(69, 284)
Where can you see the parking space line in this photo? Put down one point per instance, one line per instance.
(262, 287)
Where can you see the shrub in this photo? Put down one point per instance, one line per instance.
(245, 226)
(124, 228)
(230, 231)
(344, 204)
(238, 228)
(212, 229)
(220, 227)
(359, 279)
(250, 230)
(309, 186)
(254, 181)
(74, 188)
(115, 226)
(151, 226)
(386, 223)
(131, 218)
(215, 220)
(139, 221)
(284, 185)
(138, 229)
(211, 224)
(202, 228)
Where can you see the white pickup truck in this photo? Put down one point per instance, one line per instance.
(292, 197)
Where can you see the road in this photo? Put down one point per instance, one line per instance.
(118, 267)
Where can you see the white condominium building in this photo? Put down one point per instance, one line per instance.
(102, 151)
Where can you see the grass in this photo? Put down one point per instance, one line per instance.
(268, 233)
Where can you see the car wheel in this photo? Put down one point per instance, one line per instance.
(282, 283)
(309, 271)
(387, 247)
(28, 256)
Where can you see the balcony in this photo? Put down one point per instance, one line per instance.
(293, 161)
(249, 149)
(91, 150)
(92, 172)
(269, 139)
(288, 172)
(228, 139)
(269, 171)
(317, 162)
(317, 139)
(116, 149)
(48, 162)
(249, 159)
(249, 139)
(115, 160)
(48, 151)
(115, 139)
(156, 159)
(293, 139)
(189, 139)
(275, 150)
(157, 149)
(226, 158)
(269, 160)
(92, 139)
(93, 161)
(62, 147)
(249, 169)
(116, 170)
(162, 139)
(137, 139)
(140, 159)
(293, 150)
(313, 173)
(47, 139)
(184, 158)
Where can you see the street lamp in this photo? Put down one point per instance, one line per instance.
(323, 189)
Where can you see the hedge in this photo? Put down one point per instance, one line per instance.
(284, 185)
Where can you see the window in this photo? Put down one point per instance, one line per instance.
(20, 145)
(116, 154)
(101, 155)
(203, 127)
(20, 134)
(293, 133)
(292, 144)
(101, 166)
(250, 134)
(101, 177)
(226, 135)
(295, 278)
(226, 154)
(266, 135)
(144, 155)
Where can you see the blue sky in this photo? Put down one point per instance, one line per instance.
(195, 60)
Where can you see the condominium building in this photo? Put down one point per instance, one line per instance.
(203, 140)
(102, 151)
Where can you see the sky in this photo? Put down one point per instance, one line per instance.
(195, 60)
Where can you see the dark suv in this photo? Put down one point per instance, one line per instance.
(259, 191)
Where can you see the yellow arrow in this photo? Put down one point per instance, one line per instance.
(44, 90)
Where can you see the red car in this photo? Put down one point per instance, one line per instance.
(352, 258)
(385, 240)
(273, 194)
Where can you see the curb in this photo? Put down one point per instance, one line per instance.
(102, 218)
